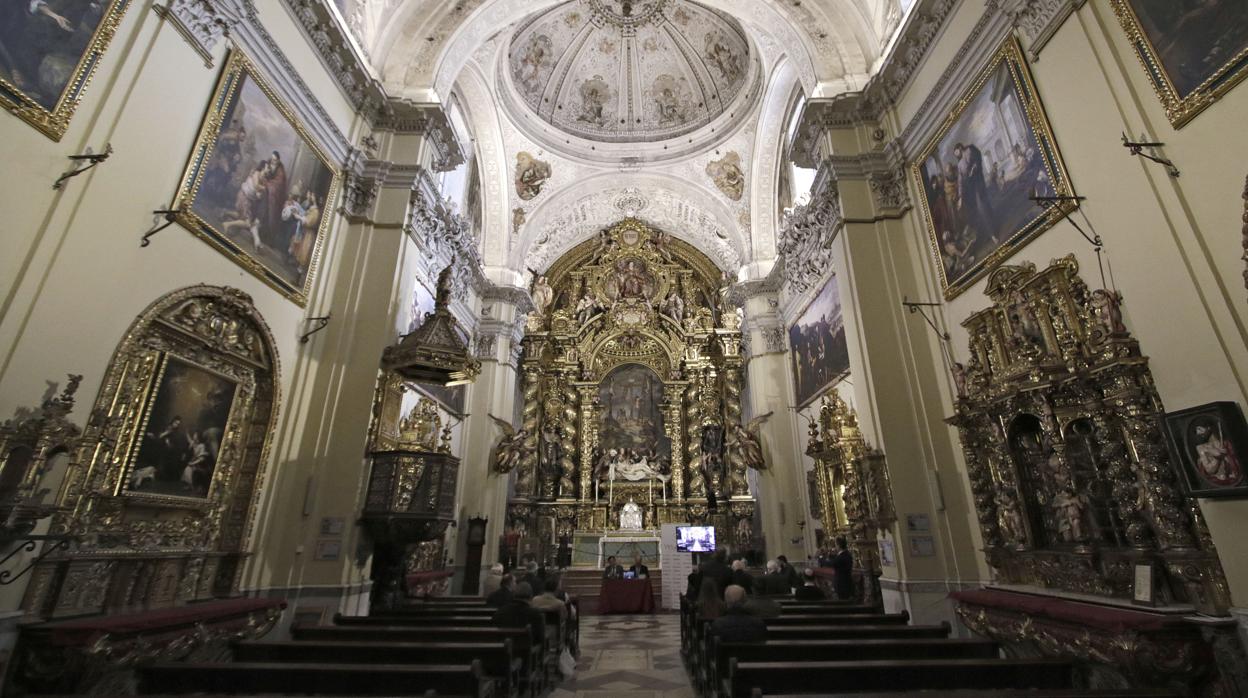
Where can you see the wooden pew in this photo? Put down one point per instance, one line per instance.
(839, 619)
(828, 678)
(722, 653)
(498, 661)
(244, 678)
(558, 630)
(1037, 693)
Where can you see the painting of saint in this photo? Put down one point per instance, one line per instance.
(672, 100)
(1210, 443)
(720, 54)
(258, 188)
(532, 64)
(594, 95)
(979, 174)
(184, 424)
(631, 434)
(631, 279)
(818, 346)
(48, 50)
(1194, 50)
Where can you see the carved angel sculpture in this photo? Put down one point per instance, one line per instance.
(511, 448)
(744, 445)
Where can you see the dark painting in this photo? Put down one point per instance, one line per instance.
(1194, 41)
(264, 189)
(186, 418)
(48, 50)
(817, 343)
(979, 174)
(631, 421)
(1210, 443)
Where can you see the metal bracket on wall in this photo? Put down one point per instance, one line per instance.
(321, 323)
(1137, 148)
(32, 542)
(917, 307)
(170, 214)
(88, 157)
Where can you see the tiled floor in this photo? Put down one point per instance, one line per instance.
(628, 657)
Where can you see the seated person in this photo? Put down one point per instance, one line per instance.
(741, 578)
(549, 599)
(775, 582)
(493, 579)
(639, 570)
(808, 591)
(738, 624)
(709, 605)
(519, 613)
(612, 570)
(502, 595)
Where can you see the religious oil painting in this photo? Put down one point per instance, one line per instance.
(49, 50)
(819, 349)
(1194, 51)
(632, 441)
(979, 174)
(257, 187)
(176, 449)
(1209, 444)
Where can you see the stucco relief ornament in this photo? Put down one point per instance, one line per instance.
(727, 175)
(531, 175)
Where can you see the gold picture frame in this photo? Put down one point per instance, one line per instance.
(971, 242)
(157, 489)
(1183, 96)
(51, 116)
(241, 195)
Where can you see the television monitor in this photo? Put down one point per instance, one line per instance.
(695, 539)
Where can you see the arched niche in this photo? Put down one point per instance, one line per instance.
(159, 495)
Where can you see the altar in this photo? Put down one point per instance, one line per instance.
(626, 547)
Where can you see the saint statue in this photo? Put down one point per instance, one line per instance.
(543, 295)
(585, 309)
(631, 518)
(674, 307)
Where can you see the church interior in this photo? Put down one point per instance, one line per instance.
(624, 348)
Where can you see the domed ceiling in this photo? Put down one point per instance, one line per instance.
(622, 71)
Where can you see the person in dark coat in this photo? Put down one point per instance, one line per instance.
(843, 565)
(809, 591)
(613, 570)
(717, 568)
(742, 578)
(518, 613)
(775, 582)
(639, 570)
(737, 624)
(501, 596)
(790, 572)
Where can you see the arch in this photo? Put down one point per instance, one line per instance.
(179, 437)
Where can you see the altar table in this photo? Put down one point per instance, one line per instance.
(626, 596)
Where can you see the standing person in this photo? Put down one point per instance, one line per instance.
(792, 578)
(843, 564)
(737, 624)
(710, 606)
(808, 591)
(612, 570)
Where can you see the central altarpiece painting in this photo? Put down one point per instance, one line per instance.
(631, 378)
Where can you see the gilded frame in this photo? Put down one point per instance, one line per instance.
(1011, 54)
(1180, 109)
(238, 68)
(54, 122)
(240, 403)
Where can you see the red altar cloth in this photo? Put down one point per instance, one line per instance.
(626, 596)
(1108, 618)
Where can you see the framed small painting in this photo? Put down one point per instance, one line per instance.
(49, 50)
(1194, 51)
(820, 352)
(184, 422)
(1209, 444)
(258, 188)
(978, 175)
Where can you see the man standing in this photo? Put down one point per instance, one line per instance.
(612, 570)
(843, 564)
(792, 578)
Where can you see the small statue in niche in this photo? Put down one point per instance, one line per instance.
(552, 450)
(1009, 518)
(745, 532)
(631, 518)
(674, 307)
(511, 448)
(1025, 333)
(586, 308)
(1068, 512)
(959, 378)
(1107, 307)
(543, 295)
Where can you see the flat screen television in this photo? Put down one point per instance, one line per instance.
(695, 539)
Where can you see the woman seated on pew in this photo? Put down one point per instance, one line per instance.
(809, 591)
(710, 605)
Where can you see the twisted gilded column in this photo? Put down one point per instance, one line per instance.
(693, 432)
(568, 441)
(526, 471)
(673, 396)
(738, 486)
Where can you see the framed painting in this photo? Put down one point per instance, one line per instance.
(175, 450)
(978, 174)
(1194, 51)
(49, 50)
(257, 187)
(1209, 444)
(818, 347)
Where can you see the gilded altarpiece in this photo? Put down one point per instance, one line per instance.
(855, 497)
(631, 382)
(135, 545)
(1060, 423)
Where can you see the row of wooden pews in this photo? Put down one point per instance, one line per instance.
(839, 648)
(448, 647)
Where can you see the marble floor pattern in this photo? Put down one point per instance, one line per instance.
(628, 657)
